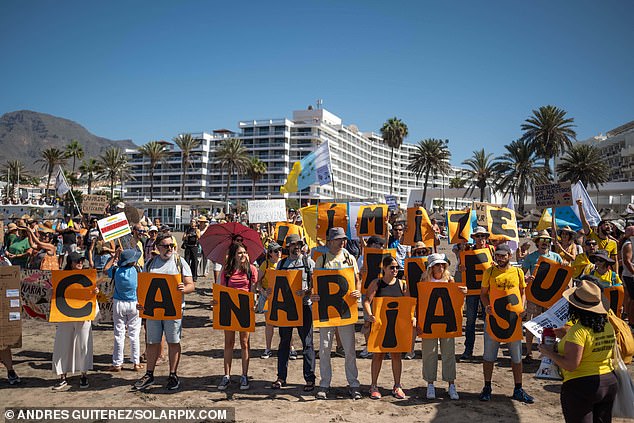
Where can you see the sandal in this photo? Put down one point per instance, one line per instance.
(309, 387)
(278, 384)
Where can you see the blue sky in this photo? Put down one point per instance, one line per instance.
(469, 71)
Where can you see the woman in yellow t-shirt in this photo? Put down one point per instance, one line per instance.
(273, 256)
(584, 355)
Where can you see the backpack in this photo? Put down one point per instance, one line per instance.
(177, 259)
(309, 273)
(624, 337)
(348, 259)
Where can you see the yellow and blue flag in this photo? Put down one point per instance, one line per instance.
(314, 168)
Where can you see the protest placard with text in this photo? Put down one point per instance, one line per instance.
(372, 259)
(284, 229)
(372, 220)
(616, 295)
(504, 324)
(233, 310)
(439, 310)
(336, 305)
(10, 308)
(551, 280)
(459, 226)
(475, 263)
(264, 211)
(284, 307)
(73, 297)
(113, 227)
(392, 328)
(414, 269)
(501, 224)
(557, 194)
(94, 204)
(330, 215)
(159, 296)
(418, 228)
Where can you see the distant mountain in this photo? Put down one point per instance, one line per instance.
(24, 134)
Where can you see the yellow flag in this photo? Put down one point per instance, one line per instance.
(545, 222)
(309, 222)
(291, 180)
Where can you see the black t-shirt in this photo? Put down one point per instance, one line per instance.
(69, 237)
(191, 238)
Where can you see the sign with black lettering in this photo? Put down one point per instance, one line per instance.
(372, 220)
(73, 298)
(233, 310)
(418, 228)
(372, 259)
(331, 215)
(551, 280)
(502, 223)
(159, 295)
(10, 307)
(615, 294)
(481, 212)
(414, 269)
(459, 226)
(504, 324)
(440, 310)
(392, 328)
(284, 229)
(556, 194)
(336, 305)
(475, 262)
(285, 307)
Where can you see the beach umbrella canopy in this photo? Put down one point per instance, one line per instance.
(609, 214)
(217, 238)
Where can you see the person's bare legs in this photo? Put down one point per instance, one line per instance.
(152, 352)
(487, 369)
(268, 335)
(174, 353)
(375, 369)
(230, 340)
(397, 367)
(244, 346)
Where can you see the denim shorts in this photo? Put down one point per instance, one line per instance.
(491, 347)
(156, 328)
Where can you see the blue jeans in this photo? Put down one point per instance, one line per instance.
(472, 302)
(306, 335)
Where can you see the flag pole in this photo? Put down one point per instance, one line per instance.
(70, 190)
(332, 176)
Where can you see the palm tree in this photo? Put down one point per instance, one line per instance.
(549, 131)
(257, 168)
(14, 169)
(156, 152)
(51, 157)
(480, 171)
(233, 156)
(89, 171)
(393, 131)
(584, 163)
(456, 182)
(519, 169)
(431, 156)
(186, 143)
(113, 165)
(74, 150)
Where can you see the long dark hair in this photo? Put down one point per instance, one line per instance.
(589, 319)
(231, 265)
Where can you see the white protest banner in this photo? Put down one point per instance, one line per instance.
(94, 204)
(264, 211)
(553, 195)
(113, 227)
(555, 317)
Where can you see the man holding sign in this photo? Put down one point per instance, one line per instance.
(502, 277)
(169, 263)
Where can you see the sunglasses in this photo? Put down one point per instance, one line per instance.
(277, 251)
(168, 246)
(543, 240)
(591, 243)
(479, 236)
(398, 229)
(393, 267)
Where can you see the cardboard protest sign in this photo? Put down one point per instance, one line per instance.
(336, 307)
(615, 294)
(502, 224)
(553, 195)
(372, 258)
(414, 269)
(418, 227)
(113, 227)
(159, 296)
(551, 280)
(285, 307)
(504, 324)
(309, 224)
(439, 310)
(284, 229)
(35, 292)
(94, 204)
(10, 308)
(372, 220)
(475, 262)
(555, 317)
(264, 211)
(480, 210)
(392, 328)
(392, 202)
(234, 310)
(459, 226)
(104, 297)
(330, 215)
(73, 298)
(353, 216)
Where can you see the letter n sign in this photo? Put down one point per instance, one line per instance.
(234, 309)
(73, 298)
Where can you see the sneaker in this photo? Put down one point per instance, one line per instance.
(83, 382)
(453, 394)
(244, 382)
(292, 355)
(62, 385)
(146, 381)
(520, 395)
(354, 393)
(485, 395)
(339, 351)
(410, 355)
(374, 393)
(266, 354)
(14, 379)
(322, 394)
(173, 383)
(397, 392)
(431, 391)
(466, 357)
(365, 353)
(224, 383)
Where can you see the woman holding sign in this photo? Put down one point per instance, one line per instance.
(238, 273)
(437, 271)
(386, 286)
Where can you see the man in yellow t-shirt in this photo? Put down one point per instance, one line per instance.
(582, 264)
(502, 276)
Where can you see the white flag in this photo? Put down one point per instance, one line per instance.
(589, 210)
(61, 186)
(512, 243)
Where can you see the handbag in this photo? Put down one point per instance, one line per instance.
(623, 405)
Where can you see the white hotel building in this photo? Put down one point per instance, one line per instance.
(360, 164)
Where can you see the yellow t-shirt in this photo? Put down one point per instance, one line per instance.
(608, 279)
(596, 358)
(607, 244)
(581, 265)
(266, 265)
(503, 279)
